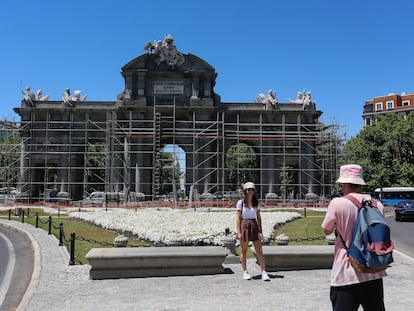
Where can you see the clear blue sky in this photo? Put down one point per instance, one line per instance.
(344, 52)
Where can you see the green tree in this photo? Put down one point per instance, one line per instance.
(287, 180)
(386, 151)
(169, 172)
(9, 157)
(240, 160)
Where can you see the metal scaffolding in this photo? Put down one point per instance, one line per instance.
(103, 147)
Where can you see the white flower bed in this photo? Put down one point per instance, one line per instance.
(164, 226)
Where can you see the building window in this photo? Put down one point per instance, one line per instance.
(368, 121)
(406, 103)
(368, 108)
(378, 106)
(390, 105)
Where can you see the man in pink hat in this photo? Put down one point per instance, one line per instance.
(350, 288)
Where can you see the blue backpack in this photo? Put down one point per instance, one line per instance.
(371, 248)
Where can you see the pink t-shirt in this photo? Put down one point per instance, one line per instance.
(342, 214)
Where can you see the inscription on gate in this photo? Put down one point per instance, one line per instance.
(169, 87)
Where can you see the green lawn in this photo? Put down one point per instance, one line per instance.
(88, 236)
(304, 231)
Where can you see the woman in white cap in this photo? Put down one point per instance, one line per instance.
(249, 228)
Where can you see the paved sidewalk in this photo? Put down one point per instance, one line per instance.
(58, 286)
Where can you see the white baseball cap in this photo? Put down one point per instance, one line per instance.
(248, 185)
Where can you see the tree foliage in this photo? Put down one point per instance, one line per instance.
(286, 180)
(169, 173)
(240, 160)
(9, 158)
(385, 150)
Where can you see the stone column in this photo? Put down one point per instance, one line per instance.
(128, 86)
(195, 99)
(141, 83)
(207, 88)
(126, 171)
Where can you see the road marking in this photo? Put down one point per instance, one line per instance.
(5, 283)
(403, 254)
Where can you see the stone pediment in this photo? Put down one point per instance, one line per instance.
(164, 76)
(148, 62)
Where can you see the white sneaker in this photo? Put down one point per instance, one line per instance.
(265, 277)
(246, 275)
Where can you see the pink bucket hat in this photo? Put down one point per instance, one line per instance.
(351, 174)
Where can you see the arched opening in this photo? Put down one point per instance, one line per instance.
(172, 175)
(240, 165)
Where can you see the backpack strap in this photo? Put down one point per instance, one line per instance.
(354, 200)
(342, 240)
(361, 204)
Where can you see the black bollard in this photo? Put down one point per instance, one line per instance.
(50, 225)
(61, 234)
(22, 216)
(304, 212)
(9, 214)
(72, 249)
(37, 220)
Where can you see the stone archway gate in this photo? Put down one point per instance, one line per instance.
(164, 103)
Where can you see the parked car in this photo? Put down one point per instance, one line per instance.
(211, 197)
(96, 198)
(404, 210)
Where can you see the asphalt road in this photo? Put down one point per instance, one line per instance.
(402, 233)
(16, 267)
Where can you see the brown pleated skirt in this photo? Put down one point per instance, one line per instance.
(249, 230)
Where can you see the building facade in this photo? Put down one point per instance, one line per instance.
(392, 103)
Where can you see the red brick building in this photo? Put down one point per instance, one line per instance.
(391, 103)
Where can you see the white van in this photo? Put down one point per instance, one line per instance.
(95, 198)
